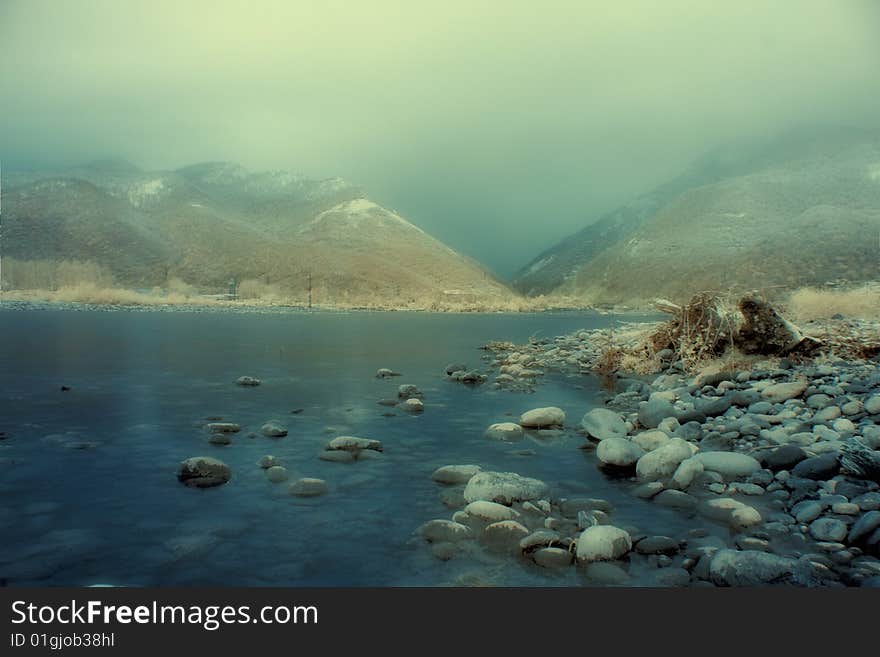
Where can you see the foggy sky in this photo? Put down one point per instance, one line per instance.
(499, 127)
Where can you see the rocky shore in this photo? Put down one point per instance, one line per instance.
(775, 463)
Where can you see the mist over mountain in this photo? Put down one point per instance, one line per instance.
(799, 209)
(209, 223)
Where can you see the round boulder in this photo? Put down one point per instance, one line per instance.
(203, 472)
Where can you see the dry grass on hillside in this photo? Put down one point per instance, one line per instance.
(810, 303)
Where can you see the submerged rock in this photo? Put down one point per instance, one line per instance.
(223, 427)
(455, 474)
(203, 472)
(267, 462)
(447, 531)
(276, 474)
(384, 373)
(353, 444)
(247, 381)
(413, 405)
(507, 431)
(273, 430)
(308, 487)
(408, 391)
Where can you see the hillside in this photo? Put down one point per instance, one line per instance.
(207, 223)
(809, 221)
(565, 266)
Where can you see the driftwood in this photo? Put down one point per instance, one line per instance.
(858, 460)
(705, 327)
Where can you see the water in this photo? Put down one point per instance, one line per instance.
(142, 385)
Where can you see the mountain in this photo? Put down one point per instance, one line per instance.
(206, 223)
(795, 210)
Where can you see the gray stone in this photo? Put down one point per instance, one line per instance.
(455, 474)
(203, 472)
(654, 411)
(750, 568)
(602, 423)
(537, 418)
(504, 488)
(828, 529)
(603, 543)
(618, 452)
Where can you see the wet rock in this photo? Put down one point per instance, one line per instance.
(222, 427)
(267, 462)
(506, 431)
(648, 490)
(604, 573)
(408, 391)
(273, 430)
(276, 474)
(455, 474)
(828, 529)
(657, 545)
(730, 465)
(504, 534)
(552, 557)
(618, 452)
(603, 543)
(602, 423)
(308, 487)
(385, 373)
(570, 508)
(353, 444)
(504, 488)
(537, 418)
(452, 368)
(750, 568)
(203, 472)
(872, 405)
(337, 456)
(676, 499)
(491, 511)
(663, 461)
(436, 531)
(654, 411)
(413, 405)
(247, 381)
(220, 439)
(817, 467)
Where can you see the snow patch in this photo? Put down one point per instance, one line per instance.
(540, 264)
(146, 191)
(352, 214)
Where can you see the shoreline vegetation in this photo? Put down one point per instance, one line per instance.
(85, 282)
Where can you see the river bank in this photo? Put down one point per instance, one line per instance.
(771, 461)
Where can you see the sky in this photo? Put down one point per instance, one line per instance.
(500, 127)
